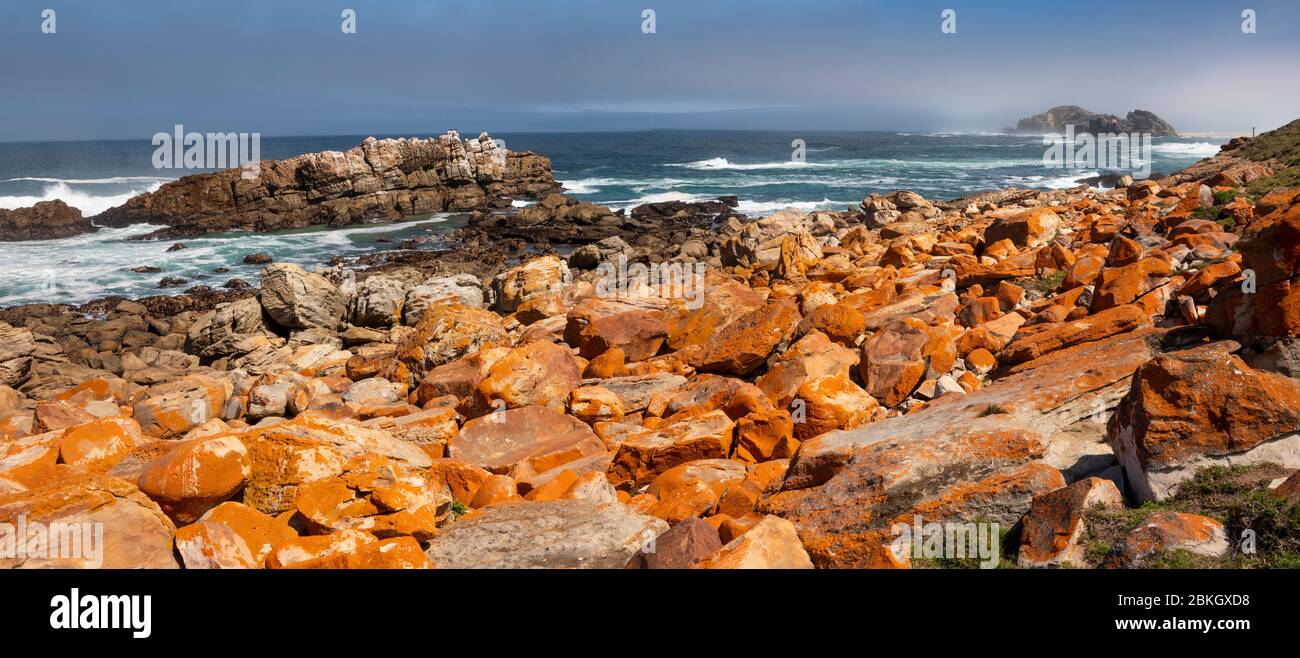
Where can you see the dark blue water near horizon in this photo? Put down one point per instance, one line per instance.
(622, 170)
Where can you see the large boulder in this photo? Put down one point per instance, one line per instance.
(744, 344)
(1110, 322)
(1165, 531)
(550, 535)
(524, 441)
(311, 447)
(1052, 531)
(378, 301)
(136, 534)
(643, 456)
(1031, 228)
(463, 289)
(773, 543)
(219, 332)
(810, 357)
(680, 547)
(536, 278)
(1189, 409)
(297, 299)
(175, 407)
(960, 458)
(539, 373)
(1271, 259)
(196, 475)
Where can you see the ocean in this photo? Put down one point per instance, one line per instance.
(620, 170)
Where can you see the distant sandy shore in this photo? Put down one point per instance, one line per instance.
(1226, 134)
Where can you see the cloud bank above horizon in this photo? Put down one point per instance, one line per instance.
(128, 70)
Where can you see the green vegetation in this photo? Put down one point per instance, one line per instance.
(1237, 496)
(1008, 542)
(1224, 196)
(1282, 145)
(1047, 283)
(991, 410)
(459, 509)
(1289, 177)
(1206, 212)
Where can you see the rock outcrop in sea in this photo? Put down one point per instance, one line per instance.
(1057, 118)
(377, 180)
(1110, 371)
(46, 220)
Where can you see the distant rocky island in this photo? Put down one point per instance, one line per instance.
(1084, 121)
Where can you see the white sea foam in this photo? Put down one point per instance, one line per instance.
(584, 186)
(762, 208)
(1199, 149)
(658, 197)
(88, 204)
(723, 163)
(92, 265)
(91, 181)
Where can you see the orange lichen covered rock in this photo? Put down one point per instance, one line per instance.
(1032, 228)
(641, 458)
(772, 543)
(348, 549)
(812, 356)
(99, 444)
(208, 545)
(1166, 531)
(832, 403)
(540, 373)
(173, 408)
(196, 475)
(639, 334)
(461, 477)
(1109, 322)
(259, 532)
(524, 441)
(956, 458)
(136, 534)
(1202, 406)
(311, 447)
(375, 494)
(1053, 527)
(743, 344)
(693, 488)
(27, 459)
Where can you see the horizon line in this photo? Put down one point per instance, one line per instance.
(897, 131)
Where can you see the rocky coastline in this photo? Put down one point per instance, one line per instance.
(378, 180)
(1046, 361)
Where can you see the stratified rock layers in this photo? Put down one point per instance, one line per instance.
(378, 180)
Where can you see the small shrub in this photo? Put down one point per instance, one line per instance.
(1047, 283)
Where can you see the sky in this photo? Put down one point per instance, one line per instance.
(130, 68)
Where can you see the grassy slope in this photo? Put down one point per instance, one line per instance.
(1282, 145)
(1237, 496)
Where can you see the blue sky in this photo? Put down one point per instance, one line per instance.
(130, 68)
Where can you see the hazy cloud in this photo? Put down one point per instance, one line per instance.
(125, 68)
